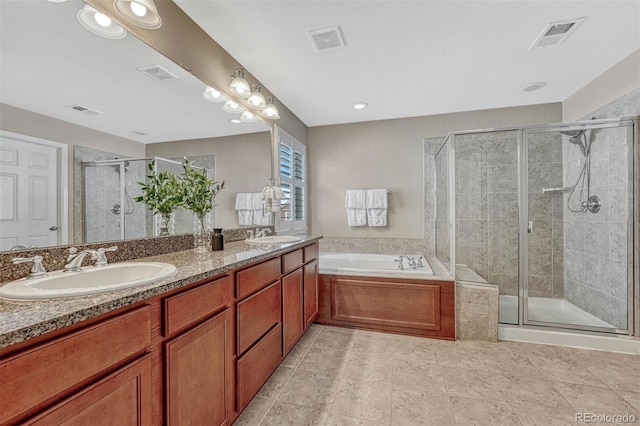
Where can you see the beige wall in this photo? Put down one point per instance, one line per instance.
(28, 123)
(619, 80)
(243, 162)
(388, 154)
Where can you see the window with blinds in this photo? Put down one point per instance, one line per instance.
(292, 167)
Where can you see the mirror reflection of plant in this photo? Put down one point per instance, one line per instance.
(162, 193)
(199, 190)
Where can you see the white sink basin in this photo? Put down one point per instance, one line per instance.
(90, 280)
(275, 239)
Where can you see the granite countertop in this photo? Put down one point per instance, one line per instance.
(20, 321)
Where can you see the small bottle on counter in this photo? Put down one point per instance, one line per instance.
(217, 239)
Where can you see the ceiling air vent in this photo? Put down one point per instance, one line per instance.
(84, 109)
(556, 32)
(326, 39)
(158, 73)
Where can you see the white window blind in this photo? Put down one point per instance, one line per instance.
(292, 169)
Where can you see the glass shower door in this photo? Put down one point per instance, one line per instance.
(577, 226)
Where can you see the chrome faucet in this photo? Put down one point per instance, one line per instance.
(262, 232)
(413, 262)
(75, 258)
(37, 270)
(102, 257)
(400, 259)
(251, 235)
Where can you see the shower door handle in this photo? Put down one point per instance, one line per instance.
(530, 227)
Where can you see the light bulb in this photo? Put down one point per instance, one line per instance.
(233, 104)
(213, 92)
(138, 9)
(102, 19)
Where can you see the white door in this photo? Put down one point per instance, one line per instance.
(28, 194)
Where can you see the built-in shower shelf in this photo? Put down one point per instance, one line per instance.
(558, 190)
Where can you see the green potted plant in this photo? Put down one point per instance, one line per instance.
(162, 193)
(199, 193)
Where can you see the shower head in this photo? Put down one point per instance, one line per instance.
(576, 137)
(116, 167)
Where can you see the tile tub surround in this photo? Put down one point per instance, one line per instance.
(376, 245)
(337, 376)
(20, 321)
(477, 311)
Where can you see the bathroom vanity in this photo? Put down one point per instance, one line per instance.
(192, 349)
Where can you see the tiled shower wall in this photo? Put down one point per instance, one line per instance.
(487, 210)
(596, 244)
(487, 206)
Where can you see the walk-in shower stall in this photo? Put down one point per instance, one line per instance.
(547, 214)
(109, 210)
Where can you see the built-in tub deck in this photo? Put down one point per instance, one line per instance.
(369, 291)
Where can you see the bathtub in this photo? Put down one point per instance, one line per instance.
(371, 265)
(368, 291)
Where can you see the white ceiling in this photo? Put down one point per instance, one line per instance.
(48, 61)
(412, 58)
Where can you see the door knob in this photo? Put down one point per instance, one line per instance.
(53, 228)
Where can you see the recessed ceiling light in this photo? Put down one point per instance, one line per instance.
(535, 86)
(360, 105)
(235, 120)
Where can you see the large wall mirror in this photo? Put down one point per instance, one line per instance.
(80, 117)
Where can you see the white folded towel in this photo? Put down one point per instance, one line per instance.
(256, 201)
(376, 201)
(243, 201)
(355, 203)
(261, 218)
(245, 217)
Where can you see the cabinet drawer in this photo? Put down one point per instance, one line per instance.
(37, 375)
(291, 261)
(255, 367)
(256, 277)
(122, 398)
(192, 305)
(257, 314)
(311, 252)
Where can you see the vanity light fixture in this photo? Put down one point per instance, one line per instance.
(257, 99)
(99, 23)
(249, 117)
(239, 85)
(232, 107)
(142, 13)
(360, 105)
(270, 110)
(212, 95)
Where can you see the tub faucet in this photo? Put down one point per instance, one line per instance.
(74, 260)
(400, 259)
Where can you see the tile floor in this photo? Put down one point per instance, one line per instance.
(337, 376)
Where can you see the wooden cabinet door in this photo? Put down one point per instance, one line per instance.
(122, 398)
(292, 310)
(310, 293)
(198, 373)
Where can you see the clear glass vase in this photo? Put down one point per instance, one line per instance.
(166, 225)
(202, 233)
